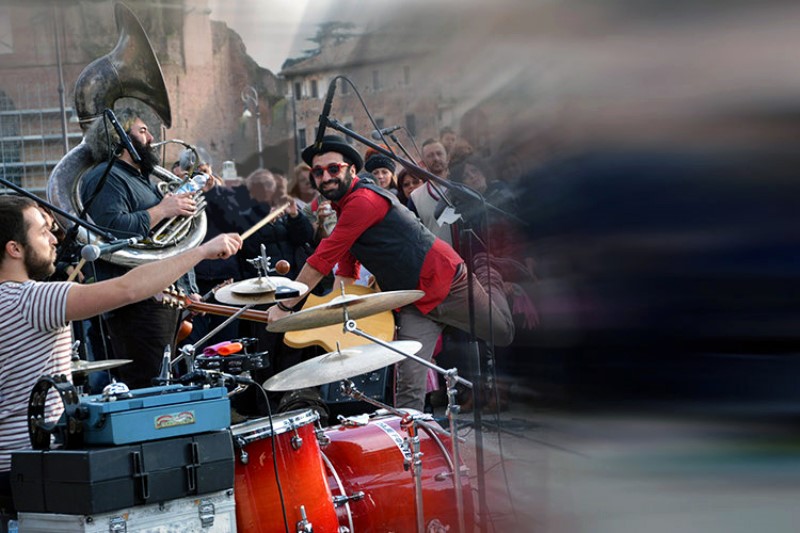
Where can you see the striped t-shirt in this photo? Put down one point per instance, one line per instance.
(35, 340)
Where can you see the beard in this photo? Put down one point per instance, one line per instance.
(338, 193)
(149, 155)
(37, 266)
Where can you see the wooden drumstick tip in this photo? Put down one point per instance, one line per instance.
(282, 267)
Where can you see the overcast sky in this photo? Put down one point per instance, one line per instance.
(274, 30)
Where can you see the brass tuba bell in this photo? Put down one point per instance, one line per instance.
(130, 70)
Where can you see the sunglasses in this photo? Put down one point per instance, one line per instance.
(333, 170)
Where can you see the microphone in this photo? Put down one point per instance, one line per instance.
(91, 252)
(123, 137)
(378, 134)
(323, 117)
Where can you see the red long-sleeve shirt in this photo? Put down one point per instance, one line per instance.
(356, 212)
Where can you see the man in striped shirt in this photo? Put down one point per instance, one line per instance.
(35, 315)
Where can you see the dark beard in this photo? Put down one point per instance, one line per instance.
(38, 268)
(338, 193)
(150, 159)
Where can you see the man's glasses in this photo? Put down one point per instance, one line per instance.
(333, 170)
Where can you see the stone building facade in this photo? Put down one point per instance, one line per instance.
(205, 68)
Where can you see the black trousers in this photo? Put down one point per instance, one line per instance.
(140, 332)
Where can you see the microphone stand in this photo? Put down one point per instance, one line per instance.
(88, 225)
(424, 174)
(471, 195)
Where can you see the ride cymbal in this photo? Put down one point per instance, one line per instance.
(342, 364)
(358, 306)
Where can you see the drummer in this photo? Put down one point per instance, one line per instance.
(373, 228)
(35, 316)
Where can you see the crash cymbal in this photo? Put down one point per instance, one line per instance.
(358, 306)
(254, 291)
(334, 366)
(85, 367)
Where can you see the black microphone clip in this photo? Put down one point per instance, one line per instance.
(378, 134)
(123, 135)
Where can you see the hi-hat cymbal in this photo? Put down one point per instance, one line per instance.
(358, 306)
(85, 367)
(255, 291)
(338, 365)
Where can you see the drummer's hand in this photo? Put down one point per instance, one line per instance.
(276, 313)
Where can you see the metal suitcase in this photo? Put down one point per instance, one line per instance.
(210, 513)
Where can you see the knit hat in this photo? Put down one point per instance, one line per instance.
(379, 161)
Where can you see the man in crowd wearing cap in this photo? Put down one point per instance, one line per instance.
(373, 228)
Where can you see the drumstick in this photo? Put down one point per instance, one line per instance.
(266, 220)
(77, 270)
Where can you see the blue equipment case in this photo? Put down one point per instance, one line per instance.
(155, 413)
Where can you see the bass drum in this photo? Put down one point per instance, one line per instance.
(268, 483)
(371, 459)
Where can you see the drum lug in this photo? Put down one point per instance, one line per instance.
(338, 501)
(303, 525)
(297, 442)
(244, 457)
(322, 438)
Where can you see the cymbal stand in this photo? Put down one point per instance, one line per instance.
(348, 388)
(188, 350)
(412, 459)
(451, 377)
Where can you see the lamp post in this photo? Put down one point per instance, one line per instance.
(250, 98)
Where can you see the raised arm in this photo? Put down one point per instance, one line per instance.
(144, 281)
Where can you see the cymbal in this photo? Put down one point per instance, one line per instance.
(85, 367)
(358, 306)
(334, 366)
(256, 291)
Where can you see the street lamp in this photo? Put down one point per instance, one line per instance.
(250, 98)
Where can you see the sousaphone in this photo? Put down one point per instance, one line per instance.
(130, 70)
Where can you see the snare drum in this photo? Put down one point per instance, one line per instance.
(296, 466)
(371, 459)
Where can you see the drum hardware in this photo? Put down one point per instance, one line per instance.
(322, 438)
(188, 350)
(303, 525)
(264, 289)
(451, 379)
(244, 457)
(297, 440)
(338, 501)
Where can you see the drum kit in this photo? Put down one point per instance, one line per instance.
(366, 473)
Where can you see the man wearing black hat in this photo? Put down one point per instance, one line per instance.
(373, 228)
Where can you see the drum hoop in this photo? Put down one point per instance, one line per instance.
(259, 428)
